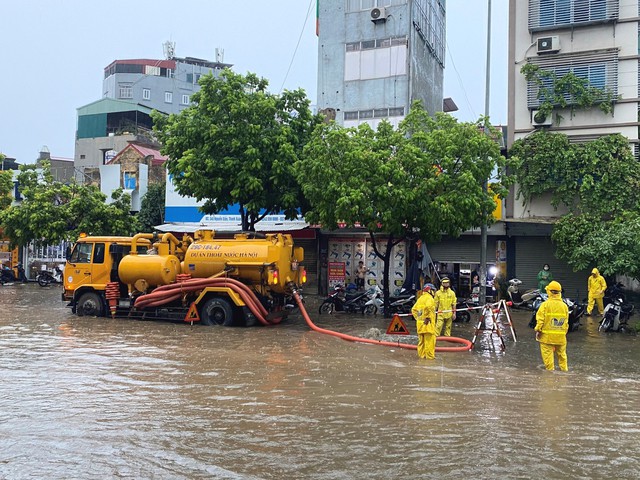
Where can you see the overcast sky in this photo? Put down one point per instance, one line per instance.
(54, 52)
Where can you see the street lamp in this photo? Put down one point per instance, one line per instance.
(485, 186)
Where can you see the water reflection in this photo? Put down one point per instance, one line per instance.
(101, 398)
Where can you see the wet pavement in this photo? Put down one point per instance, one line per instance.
(89, 398)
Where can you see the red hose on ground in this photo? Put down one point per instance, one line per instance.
(465, 347)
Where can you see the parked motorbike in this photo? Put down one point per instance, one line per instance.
(576, 311)
(616, 315)
(402, 303)
(614, 292)
(397, 304)
(521, 300)
(45, 277)
(342, 301)
(375, 303)
(7, 275)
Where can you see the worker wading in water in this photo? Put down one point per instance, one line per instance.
(424, 311)
(552, 324)
(445, 301)
(596, 285)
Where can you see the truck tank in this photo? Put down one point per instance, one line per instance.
(253, 258)
(144, 271)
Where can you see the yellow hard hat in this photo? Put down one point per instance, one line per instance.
(554, 287)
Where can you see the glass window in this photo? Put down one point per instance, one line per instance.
(353, 47)
(190, 78)
(146, 94)
(81, 253)
(368, 44)
(396, 112)
(350, 115)
(185, 100)
(366, 114)
(98, 253)
(381, 113)
(168, 97)
(126, 91)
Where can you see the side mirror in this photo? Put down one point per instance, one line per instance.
(67, 253)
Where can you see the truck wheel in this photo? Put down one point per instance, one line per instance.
(90, 305)
(217, 311)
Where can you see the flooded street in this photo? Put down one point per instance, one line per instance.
(87, 398)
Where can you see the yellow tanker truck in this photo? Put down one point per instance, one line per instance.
(219, 281)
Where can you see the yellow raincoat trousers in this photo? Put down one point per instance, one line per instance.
(424, 311)
(552, 324)
(596, 286)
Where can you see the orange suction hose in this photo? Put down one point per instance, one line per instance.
(465, 347)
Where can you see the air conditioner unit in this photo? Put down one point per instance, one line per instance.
(548, 44)
(378, 14)
(539, 119)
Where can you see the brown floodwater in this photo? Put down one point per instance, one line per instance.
(88, 398)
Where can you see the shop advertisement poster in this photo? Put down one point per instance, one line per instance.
(336, 273)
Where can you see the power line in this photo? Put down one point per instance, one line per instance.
(297, 45)
(460, 82)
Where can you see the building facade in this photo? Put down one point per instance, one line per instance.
(131, 89)
(596, 40)
(376, 56)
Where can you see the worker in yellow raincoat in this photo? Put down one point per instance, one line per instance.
(446, 303)
(424, 311)
(596, 285)
(552, 324)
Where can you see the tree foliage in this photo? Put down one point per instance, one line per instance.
(51, 211)
(599, 183)
(6, 186)
(425, 178)
(566, 91)
(152, 207)
(237, 144)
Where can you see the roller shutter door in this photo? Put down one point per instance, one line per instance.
(310, 247)
(533, 252)
(462, 250)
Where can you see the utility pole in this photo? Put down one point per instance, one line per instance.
(485, 187)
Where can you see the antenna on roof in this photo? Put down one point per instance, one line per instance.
(219, 55)
(169, 49)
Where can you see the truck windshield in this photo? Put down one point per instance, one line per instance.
(81, 253)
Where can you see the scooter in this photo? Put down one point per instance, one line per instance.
(341, 301)
(523, 300)
(375, 303)
(7, 275)
(45, 277)
(616, 316)
(576, 311)
(402, 303)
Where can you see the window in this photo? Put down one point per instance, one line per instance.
(350, 115)
(126, 91)
(430, 24)
(81, 253)
(556, 13)
(168, 97)
(381, 58)
(98, 253)
(359, 5)
(190, 78)
(185, 100)
(396, 112)
(600, 69)
(146, 94)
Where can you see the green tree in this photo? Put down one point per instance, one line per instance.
(52, 211)
(6, 185)
(152, 207)
(599, 183)
(237, 144)
(423, 179)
